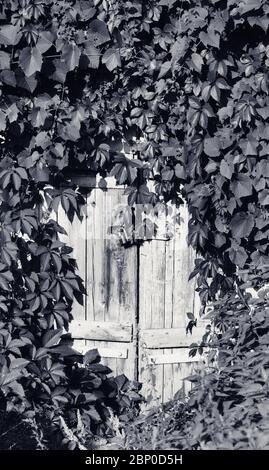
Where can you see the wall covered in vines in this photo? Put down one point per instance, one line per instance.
(164, 90)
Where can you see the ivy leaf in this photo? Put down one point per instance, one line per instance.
(30, 60)
(38, 117)
(71, 55)
(45, 41)
(19, 363)
(98, 33)
(264, 197)
(179, 49)
(65, 350)
(197, 61)
(226, 169)
(3, 123)
(102, 154)
(120, 173)
(61, 70)
(180, 171)
(66, 288)
(220, 240)
(111, 59)
(264, 112)
(4, 60)
(69, 132)
(27, 83)
(12, 113)
(249, 5)
(167, 174)
(92, 356)
(51, 338)
(85, 10)
(242, 225)
(211, 147)
(165, 68)
(262, 21)
(125, 169)
(92, 54)
(102, 184)
(42, 140)
(8, 77)
(238, 255)
(190, 315)
(211, 38)
(249, 146)
(211, 167)
(242, 186)
(215, 93)
(140, 195)
(10, 377)
(9, 35)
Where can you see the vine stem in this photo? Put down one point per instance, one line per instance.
(10, 429)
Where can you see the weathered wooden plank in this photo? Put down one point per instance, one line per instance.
(111, 270)
(108, 269)
(83, 179)
(186, 299)
(183, 292)
(146, 371)
(105, 352)
(183, 297)
(109, 264)
(127, 294)
(159, 301)
(157, 338)
(168, 323)
(101, 331)
(115, 258)
(95, 256)
(96, 264)
(151, 313)
(164, 303)
(75, 237)
(90, 180)
(145, 290)
(177, 357)
(121, 273)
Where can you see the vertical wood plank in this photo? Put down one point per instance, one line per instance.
(95, 262)
(147, 371)
(164, 303)
(152, 312)
(183, 289)
(168, 312)
(111, 271)
(75, 237)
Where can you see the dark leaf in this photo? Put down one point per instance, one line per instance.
(30, 60)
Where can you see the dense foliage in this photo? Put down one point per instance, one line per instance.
(64, 398)
(168, 90)
(41, 131)
(231, 395)
(180, 86)
(228, 406)
(161, 428)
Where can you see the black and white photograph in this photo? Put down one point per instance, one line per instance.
(134, 231)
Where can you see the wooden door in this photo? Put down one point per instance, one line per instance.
(165, 298)
(137, 297)
(109, 271)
